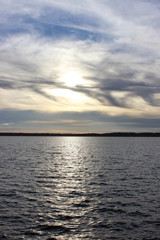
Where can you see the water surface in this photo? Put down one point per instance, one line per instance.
(79, 188)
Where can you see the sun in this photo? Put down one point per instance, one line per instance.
(72, 78)
(70, 89)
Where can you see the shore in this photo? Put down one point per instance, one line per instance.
(113, 134)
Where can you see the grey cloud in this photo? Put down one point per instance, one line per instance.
(25, 117)
(100, 91)
(34, 84)
(36, 89)
(104, 87)
(125, 78)
(6, 84)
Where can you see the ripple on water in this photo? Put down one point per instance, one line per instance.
(79, 188)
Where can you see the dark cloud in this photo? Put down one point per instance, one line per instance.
(102, 89)
(6, 84)
(25, 117)
(35, 85)
(124, 79)
(133, 89)
(40, 91)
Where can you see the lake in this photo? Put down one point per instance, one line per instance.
(79, 188)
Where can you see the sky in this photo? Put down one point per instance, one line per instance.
(79, 66)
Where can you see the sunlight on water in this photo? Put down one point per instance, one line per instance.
(79, 188)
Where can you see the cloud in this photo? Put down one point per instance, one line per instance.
(39, 65)
(6, 84)
(113, 46)
(72, 121)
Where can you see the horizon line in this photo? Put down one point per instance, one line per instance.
(106, 134)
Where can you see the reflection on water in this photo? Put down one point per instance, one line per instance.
(79, 188)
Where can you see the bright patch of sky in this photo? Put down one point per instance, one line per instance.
(94, 57)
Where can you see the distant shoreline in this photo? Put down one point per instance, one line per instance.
(113, 134)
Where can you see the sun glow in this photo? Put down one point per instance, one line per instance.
(69, 92)
(72, 79)
(68, 95)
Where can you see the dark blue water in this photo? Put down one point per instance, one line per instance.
(79, 188)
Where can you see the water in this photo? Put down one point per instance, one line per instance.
(79, 188)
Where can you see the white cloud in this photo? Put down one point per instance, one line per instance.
(33, 63)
